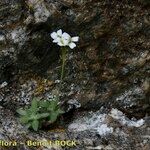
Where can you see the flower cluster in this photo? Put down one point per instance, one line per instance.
(64, 39)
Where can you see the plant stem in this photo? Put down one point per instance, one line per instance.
(63, 57)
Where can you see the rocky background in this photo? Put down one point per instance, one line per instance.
(110, 68)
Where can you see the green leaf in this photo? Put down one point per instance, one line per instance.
(35, 125)
(53, 105)
(44, 104)
(28, 125)
(21, 112)
(53, 116)
(30, 112)
(60, 111)
(43, 115)
(39, 110)
(34, 105)
(24, 119)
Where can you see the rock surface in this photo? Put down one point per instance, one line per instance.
(109, 68)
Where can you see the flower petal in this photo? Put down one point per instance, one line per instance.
(72, 45)
(59, 32)
(66, 36)
(54, 35)
(75, 39)
(55, 41)
(65, 42)
(60, 43)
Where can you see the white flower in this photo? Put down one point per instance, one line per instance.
(64, 39)
(66, 36)
(72, 44)
(62, 42)
(75, 39)
(56, 36)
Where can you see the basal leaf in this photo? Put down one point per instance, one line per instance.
(53, 116)
(28, 125)
(34, 105)
(53, 105)
(24, 119)
(21, 112)
(35, 125)
(60, 111)
(43, 115)
(44, 104)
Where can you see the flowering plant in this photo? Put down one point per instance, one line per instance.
(64, 40)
